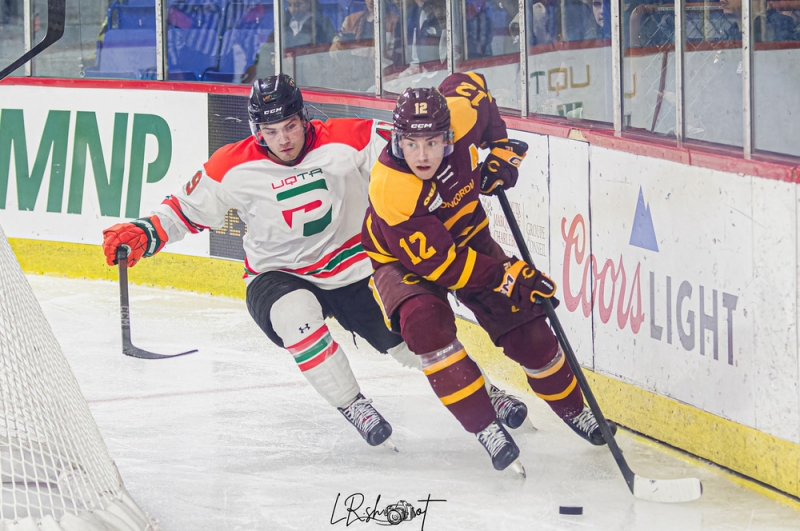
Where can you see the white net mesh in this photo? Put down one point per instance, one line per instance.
(55, 469)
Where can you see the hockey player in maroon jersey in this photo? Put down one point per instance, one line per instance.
(300, 185)
(427, 233)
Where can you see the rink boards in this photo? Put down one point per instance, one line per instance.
(677, 270)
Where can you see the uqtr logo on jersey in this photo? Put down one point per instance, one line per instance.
(296, 186)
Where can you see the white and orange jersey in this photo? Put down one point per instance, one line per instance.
(303, 219)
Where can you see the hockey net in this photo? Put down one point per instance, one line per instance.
(55, 470)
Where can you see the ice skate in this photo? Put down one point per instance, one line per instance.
(585, 425)
(369, 423)
(501, 447)
(509, 409)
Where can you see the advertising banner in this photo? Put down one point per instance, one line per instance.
(678, 306)
(75, 161)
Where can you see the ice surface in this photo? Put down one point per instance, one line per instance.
(233, 438)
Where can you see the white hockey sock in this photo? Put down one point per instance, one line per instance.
(405, 357)
(297, 319)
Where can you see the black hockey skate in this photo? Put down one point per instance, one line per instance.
(366, 419)
(509, 409)
(585, 425)
(501, 447)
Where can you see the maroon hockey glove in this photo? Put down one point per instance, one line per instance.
(523, 284)
(142, 237)
(501, 167)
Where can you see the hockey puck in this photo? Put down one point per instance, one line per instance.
(562, 509)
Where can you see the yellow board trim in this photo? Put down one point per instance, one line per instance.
(548, 372)
(439, 271)
(469, 266)
(165, 270)
(563, 394)
(463, 393)
(445, 363)
(741, 449)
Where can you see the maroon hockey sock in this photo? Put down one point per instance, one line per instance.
(428, 327)
(459, 384)
(534, 346)
(557, 386)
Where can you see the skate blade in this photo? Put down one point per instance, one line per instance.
(517, 467)
(389, 444)
(530, 422)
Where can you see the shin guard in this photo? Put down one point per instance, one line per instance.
(457, 381)
(557, 385)
(297, 319)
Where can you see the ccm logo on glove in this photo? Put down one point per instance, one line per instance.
(501, 167)
(522, 283)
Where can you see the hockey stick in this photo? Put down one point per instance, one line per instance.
(127, 347)
(56, 15)
(657, 490)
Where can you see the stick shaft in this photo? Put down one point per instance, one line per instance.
(572, 359)
(124, 304)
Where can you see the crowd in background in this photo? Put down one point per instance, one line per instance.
(233, 40)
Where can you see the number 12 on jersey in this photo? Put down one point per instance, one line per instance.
(424, 251)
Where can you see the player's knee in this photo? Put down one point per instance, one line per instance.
(533, 344)
(296, 316)
(427, 323)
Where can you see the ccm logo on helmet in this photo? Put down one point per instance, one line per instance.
(273, 111)
(421, 126)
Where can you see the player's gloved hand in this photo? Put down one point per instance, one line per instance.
(523, 284)
(142, 237)
(501, 167)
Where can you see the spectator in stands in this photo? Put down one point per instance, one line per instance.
(502, 13)
(544, 22)
(601, 10)
(424, 31)
(769, 25)
(479, 28)
(361, 26)
(306, 24)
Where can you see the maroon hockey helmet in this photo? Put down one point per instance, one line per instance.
(421, 111)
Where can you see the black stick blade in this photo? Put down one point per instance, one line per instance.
(125, 315)
(136, 352)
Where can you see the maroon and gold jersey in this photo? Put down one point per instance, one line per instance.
(438, 228)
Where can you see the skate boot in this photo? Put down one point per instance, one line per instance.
(585, 425)
(509, 409)
(501, 447)
(366, 419)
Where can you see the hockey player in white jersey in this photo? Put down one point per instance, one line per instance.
(300, 186)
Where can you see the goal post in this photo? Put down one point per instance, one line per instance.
(55, 471)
